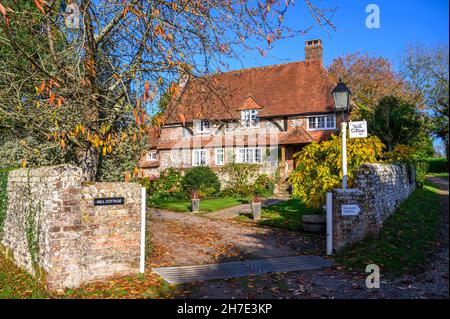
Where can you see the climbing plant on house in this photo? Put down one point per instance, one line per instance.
(319, 166)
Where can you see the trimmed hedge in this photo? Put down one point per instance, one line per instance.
(437, 165)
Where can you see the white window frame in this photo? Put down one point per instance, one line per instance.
(150, 156)
(249, 118)
(200, 151)
(217, 152)
(201, 127)
(249, 157)
(316, 122)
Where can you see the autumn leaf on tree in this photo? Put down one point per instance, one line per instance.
(40, 4)
(5, 16)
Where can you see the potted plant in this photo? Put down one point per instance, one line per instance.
(195, 201)
(256, 207)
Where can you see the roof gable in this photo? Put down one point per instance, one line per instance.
(249, 104)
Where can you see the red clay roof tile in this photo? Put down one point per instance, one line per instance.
(285, 89)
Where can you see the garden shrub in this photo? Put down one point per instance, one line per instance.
(421, 172)
(405, 154)
(319, 166)
(239, 177)
(201, 179)
(264, 186)
(167, 185)
(411, 156)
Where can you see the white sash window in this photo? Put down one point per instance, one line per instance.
(220, 156)
(322, 122)
(249, 155)
(199, 157)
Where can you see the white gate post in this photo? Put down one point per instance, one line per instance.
(329, 223)
(143, 208)
(344, 155)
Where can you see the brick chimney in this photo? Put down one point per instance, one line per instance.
(313, 50)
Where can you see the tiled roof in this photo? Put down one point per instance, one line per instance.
(279, 90)
(153, 136)
(295, 136)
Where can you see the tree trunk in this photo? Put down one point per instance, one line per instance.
(88, 161)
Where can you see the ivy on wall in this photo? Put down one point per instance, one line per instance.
(32, 229)
(3, 196)
(32, 233)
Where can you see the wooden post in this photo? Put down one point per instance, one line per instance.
(283, 161)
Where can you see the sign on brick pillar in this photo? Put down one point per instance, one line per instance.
(349, 218)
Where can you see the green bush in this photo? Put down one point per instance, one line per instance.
(201, 179)
(421, 172)
(319, 166)
(239, 176)
(263, 186)
(437, 165)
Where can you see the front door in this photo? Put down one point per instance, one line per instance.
(296, 148)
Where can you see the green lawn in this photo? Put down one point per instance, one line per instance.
(206, 205)
(286, 215)
(405, 239)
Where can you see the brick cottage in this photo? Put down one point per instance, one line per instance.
(260, 115)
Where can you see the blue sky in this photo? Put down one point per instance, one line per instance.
(401, 23)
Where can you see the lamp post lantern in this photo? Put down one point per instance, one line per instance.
(341, 96)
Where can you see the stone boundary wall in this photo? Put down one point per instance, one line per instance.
(53, 230)
(379, 190)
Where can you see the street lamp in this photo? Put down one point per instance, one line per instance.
(341, 96)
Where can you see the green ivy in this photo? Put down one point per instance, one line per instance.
(32, 232)
(3, 196)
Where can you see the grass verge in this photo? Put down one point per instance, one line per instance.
(440, 175)
(285, 215)
(16, 283)
(405, 240)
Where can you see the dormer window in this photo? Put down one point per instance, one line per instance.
(202, 126)
(249, 118)
(151, 156)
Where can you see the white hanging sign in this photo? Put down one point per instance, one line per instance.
(358, 129)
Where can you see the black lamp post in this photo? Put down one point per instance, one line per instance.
(341, 96)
